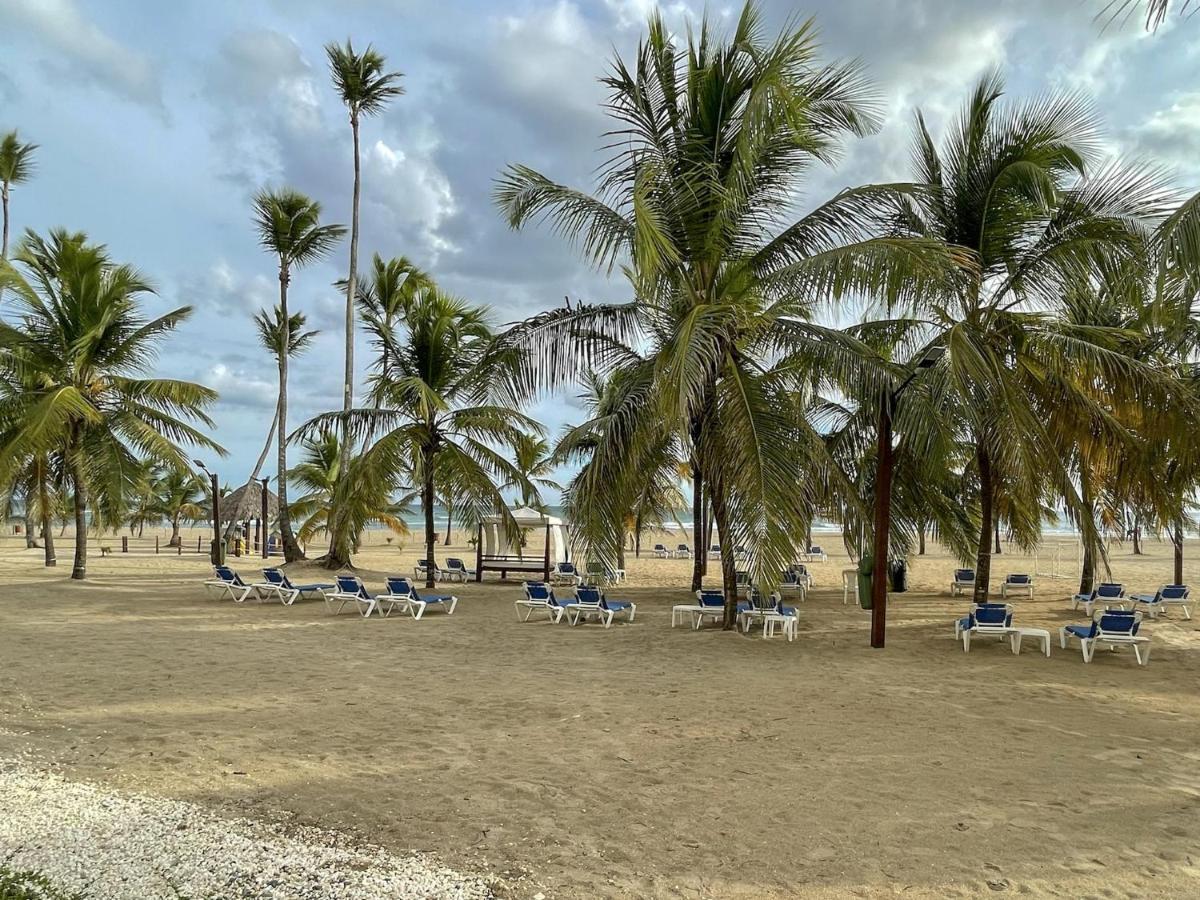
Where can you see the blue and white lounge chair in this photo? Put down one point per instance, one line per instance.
(1016, 583)
(963, 583)
(403, 593)
(661, 551)
(771, 611)
(456, 570)
(1105, 592)
(714, 552)
(683, 551)
(793, 584)
(539, 597)
(424, 566)
(1112, 627)
(229, 583)
(566, 573)
(816, 554)
(1167, 595)
(709, 605)
(800, 570)
(741, 583)
(599, 573)
(610, 608)
(281, 586)
(986, 619)
(591, 601)
(350, 589)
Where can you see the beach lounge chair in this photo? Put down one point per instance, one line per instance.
(770, 609)
(456, 570)
(587, 603)
(741, 583)
(1167, 595)
(539, 597)
(350, 589)
(1112, 627)
(565, 573)
(610, 608)
(793, 584)
(1105, 592)
(740, 552)
(986, 619)
(714, 552)
(800, 570)
(683, 551)
(425, 566)
(1016, 583)
(963, 583)
(281, 586)
(709, 605)
(661, 551)
(403, 594)
(598, 573)
(816, 554)
(229, 583)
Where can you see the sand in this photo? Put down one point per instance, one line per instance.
(642, 761)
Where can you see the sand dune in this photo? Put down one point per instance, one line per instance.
(643, 761)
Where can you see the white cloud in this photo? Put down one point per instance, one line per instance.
(225, 291)
(410, 191)
(61, 26)
(240, 388)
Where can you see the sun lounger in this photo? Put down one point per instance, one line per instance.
(281, 586)
(800, 570)
(350, 589)
(683, 551)
(1114, 628)
(963, 583)
(709, 605)
(402, 593)
(591, 601)
(1016, 583)
(1165, 596)
(598, 573)
(793, 584)
(456, 570)
(816, 554)
(423, 567)
(714, 552)
(540, 597)
(986, 619)
(742, 583)
(566, 573)
(771, 611)
(661, 552)
(229, 583)
(1105, 592)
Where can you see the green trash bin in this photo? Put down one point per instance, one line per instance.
(866, 566)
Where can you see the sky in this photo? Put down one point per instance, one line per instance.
(157, 122)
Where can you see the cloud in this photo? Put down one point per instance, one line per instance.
(1172, 133)
(84, 46)
(226, 292)
(241, 388)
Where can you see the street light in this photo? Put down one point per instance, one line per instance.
(883, 495)
(218, 557)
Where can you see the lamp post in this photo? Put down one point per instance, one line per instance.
(218, 557)
(885, 461)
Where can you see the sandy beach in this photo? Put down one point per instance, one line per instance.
(643, 761)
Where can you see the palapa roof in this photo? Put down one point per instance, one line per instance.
(231, 501)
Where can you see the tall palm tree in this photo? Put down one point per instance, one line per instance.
(75, 355)
(1018, 187)
(434, 412)
(1156, 10)
(365, 88)
(711, 145)
(383, 298)
(289, 226)
(535, 461)
(16, 165)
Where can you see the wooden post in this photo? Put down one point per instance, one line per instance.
(479, 552)
(883, 523)
(218, 549)
(546, 558)
(257, 534)
(198, 539)
(156, 545)
(124, 544)
(263, 514)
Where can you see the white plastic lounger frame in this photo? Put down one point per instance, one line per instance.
(1112, 628)
(1105, 592)
(714, 552)
(1016, 583)
(424, 567)
(1165, 596)
(587, 603)
(404, 595)
(456, 570)
(229, 583)
(994, 619)
(566, 573)
(539, 597)
(350, 589)
(683, 551)
(963, 583)
(661, 551)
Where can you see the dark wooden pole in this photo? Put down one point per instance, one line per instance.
(263, 513)
(217, 555)
(546, 558)
(479, 552)
(883, 523)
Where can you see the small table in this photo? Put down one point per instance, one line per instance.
(1042, 635)
(688, 610)
(787, 622)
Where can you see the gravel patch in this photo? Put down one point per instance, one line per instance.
(84, 838)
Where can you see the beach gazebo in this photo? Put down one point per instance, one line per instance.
(258, 510)
(494, 551)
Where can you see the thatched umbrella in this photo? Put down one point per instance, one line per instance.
(232, 501)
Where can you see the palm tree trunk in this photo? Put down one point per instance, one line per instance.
(1137, 536)
(449, 521)
(175, 538)
(728, 566)
(996, 532)
(921, 540)
(30, 538)
(637, 536)
(1177, 537)
(983, 559)
(1087, 575)
(351, 287)
(291, 550)
(4, 202)
(427, 497)
(697, 528)
(47, 526)
(79, 570)
(243, 507)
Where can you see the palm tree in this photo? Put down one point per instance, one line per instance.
(1156, 10)
(289, 226)
(711, 146)
(535, 462)
(16, 165)
(178, 495)
(365, 88)
(433, 413)
(325, 489)
(384, 297)
(1017, 187)
(75, 357)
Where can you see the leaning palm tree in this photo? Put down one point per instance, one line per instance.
(365, 88)
(435, 422)
(74, 358)
(711, 146)
(289, 226)
(16, 165)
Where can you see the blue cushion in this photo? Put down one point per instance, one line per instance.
(1082, 631)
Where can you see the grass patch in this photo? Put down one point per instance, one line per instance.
(30, 886)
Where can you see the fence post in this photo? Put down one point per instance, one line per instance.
(124, 544)
(156, 545)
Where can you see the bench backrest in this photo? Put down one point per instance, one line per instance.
(963, 576)
(1173, 592)
(1110, 591)
(399, 587)
(710, 598)
(349, 584)
(537, 590)
(588, 595)
(1016, 578)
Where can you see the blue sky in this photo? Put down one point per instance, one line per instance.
(158, 121)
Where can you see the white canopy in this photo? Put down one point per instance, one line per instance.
(495, 541)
